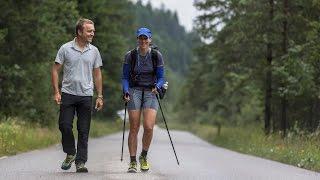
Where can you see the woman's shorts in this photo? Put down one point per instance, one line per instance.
(142, 99)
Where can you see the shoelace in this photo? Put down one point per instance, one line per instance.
(80, 166)
(144, 161)
(133, 165)
(68, 159)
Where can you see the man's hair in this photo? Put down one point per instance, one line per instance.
(81, 22)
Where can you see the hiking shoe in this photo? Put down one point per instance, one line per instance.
(68, 162)
(81, 168)
(144, 165)
(132, 167)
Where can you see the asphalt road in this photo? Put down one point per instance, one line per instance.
(198, 160)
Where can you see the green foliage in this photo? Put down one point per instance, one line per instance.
(174, 42)
(33, 27)
(298, 148)
(101, 128)
(18, 136)
(31, 32)
(227, 84)
(301, 151)
(23, 97)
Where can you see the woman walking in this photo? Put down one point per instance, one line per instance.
(143, 75)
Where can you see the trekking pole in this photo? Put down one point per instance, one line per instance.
(164, 119)
(124, 127)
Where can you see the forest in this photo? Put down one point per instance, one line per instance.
(260, 66)
(246, 77)
(31, 34)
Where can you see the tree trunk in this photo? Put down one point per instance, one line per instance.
(285, 51)
(317, 119)
(219, 128)
(268, 95)
(310, 123)
(284, 115)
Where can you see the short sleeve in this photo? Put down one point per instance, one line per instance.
(98, 60)
(60, 55)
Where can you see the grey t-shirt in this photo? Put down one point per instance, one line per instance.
(144, 67)
(78, 67)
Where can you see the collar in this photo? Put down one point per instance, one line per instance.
(76, 47)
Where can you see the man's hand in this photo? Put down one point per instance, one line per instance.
(57, 98)
(99, 104)
(126, 97)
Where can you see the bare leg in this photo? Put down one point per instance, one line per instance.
(134, 118)
(149, 119)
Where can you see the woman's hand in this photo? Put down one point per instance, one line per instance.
(126, 97)
(154, 90)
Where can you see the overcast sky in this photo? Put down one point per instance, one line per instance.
(186, 11)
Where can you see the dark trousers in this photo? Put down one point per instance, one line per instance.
(81, 105)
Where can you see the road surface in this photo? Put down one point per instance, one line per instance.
(198, 160)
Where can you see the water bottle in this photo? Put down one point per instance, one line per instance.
(165, 85)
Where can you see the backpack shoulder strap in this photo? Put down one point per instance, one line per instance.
(154, 57)
(133, 54)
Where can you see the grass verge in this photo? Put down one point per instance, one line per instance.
(17, 136)
(298, 149)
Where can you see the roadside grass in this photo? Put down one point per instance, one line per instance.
(298, 148)
(17, 136)
(101, 128)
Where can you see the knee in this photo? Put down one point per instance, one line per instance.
(83, 131)
(66, 128)
(134, 130)
(148, 129)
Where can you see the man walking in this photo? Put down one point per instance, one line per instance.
(81, 64)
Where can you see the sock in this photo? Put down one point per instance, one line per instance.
(144, 153)
(133, 158)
